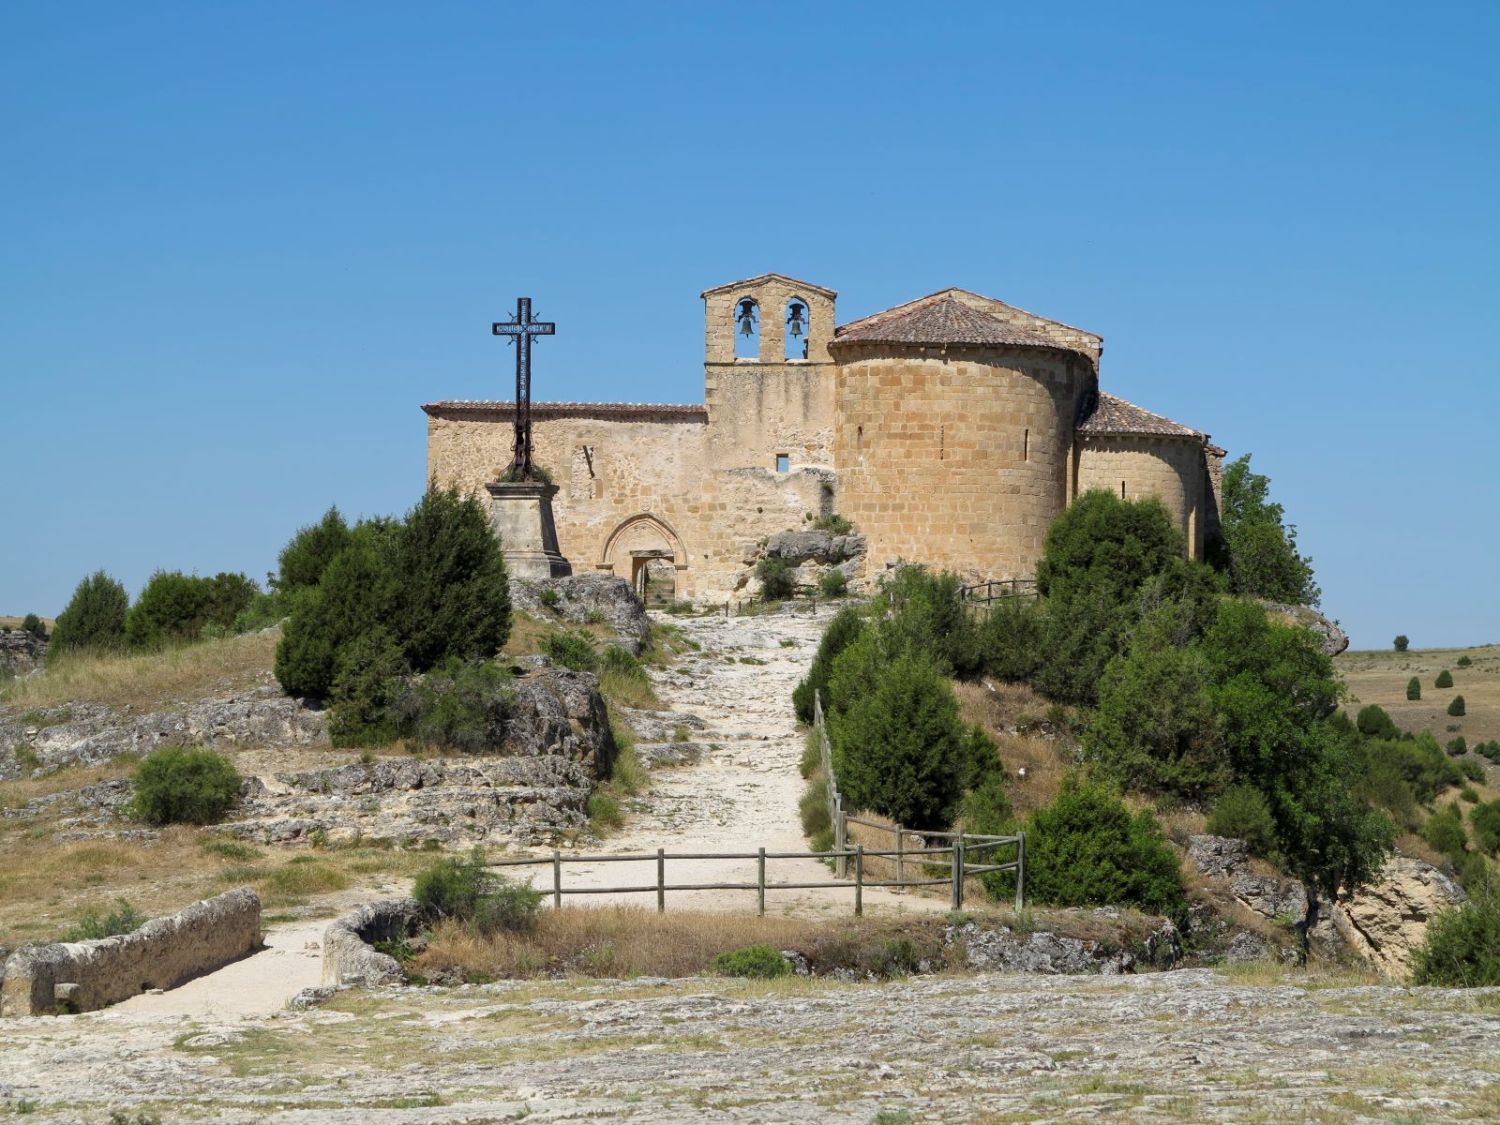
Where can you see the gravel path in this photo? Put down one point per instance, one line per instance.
(743, 794)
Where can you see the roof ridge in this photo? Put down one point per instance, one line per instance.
(768, 277)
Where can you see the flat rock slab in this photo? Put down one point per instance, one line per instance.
(1180, 1046)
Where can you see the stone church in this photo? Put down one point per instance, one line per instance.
(950, 430)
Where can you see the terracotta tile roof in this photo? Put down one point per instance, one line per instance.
(957, 316)
(626, 410)
(1112, 415)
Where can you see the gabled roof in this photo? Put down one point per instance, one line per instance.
(1113, 415)
(958, 316)
(505, 408)
(792, 281)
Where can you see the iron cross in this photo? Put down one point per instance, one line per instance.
(522, 329)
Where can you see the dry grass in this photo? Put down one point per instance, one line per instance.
(624, 941)
(1380, 677)
(1001, 708)
(149, 681)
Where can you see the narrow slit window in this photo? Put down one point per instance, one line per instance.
(1122, 490)
(783, 463)
(1025, 445)
(942, 442)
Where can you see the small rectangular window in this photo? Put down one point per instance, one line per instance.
(783, 463)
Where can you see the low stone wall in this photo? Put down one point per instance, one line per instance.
(347, 954)
(164, 953)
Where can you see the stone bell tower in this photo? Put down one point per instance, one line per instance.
(768, 375)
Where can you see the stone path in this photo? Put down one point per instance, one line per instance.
(743, 794)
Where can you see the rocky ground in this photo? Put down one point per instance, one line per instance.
(1182, 1046)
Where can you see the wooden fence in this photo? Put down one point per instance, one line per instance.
(983, 593)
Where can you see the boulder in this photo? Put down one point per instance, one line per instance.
(349, 956)
(1387, 920)
(586, 598)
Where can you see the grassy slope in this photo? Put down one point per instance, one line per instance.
(1380, 677)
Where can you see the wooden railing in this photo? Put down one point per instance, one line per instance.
(983, 593)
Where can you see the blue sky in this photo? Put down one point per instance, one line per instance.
(242, 244)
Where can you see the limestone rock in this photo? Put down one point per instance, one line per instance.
(349, 956)
(21, 654)
(582, 597)
(1387, 920)
(1334, 639)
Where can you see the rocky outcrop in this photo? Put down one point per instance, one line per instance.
(88, 733)
(20, 653)
(1003, 950)
(810, 553)
(164, 953)
(1334, 639)
(1386, 920)
(557, 747)
(349, 956)
(581, 599)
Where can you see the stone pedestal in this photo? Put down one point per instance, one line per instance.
(521, 515)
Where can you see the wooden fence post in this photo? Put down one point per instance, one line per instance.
(953, 878)
(661, 880)
(1020, 871)
(900, 856)
(840, 839)
(958, 888)
(556, 879)
(760, 879)
(859, 880)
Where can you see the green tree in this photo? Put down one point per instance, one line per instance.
(1375, 722)
(1243, 813)
(901, 749)
(1086, 849)
(1486, 821)
(846, 625)
(776, 582)
(34, 625)
(1275, 696)
(1401, 642)
(1462, 946)
(1444, 831)
(1257, 548)
(1414, 688)
(1444, 679)
(176, 608)
(454, 599)
(95, 616)
(1456, 708)
(307, 555)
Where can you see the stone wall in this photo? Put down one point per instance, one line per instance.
(956, 458)
(1170, 468)
(349, 956)
(164, 953)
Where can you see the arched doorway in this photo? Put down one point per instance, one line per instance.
(647, 551)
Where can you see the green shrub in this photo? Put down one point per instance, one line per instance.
(181, 785)
(1414, 688)
(776, 580)
(175, 608)
(1456, 708)
(812, 810)
(1444, 679)
(920, 612)
(33, 624)
(1469, 794)
(604, 811)
(1485, 820)
(463, 889)
(1401, 642)
(1462, 947)
(1457, 746)
(459, 706)
(841, 632)
(1471, 769)
(123, 919)
(1374, 722)
(986, 811)
(1010, 639)
(833, 524)
(1490, 750)
(95, 616)
(573, 649)
(762, 962)
(900, 750)
(1419, 762)
(1464, 661)
(833, 584)
(1085, 849)
(549, 597)
(1244, 814)
(307, 555)
(1444, 831)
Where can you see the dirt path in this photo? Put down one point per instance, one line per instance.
(743, 794)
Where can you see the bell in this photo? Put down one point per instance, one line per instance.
(747, 317)
(794, 319)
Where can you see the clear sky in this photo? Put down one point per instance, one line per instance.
(240, 244)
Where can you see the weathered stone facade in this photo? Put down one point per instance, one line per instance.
(950, 430)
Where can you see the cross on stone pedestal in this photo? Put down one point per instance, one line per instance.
(521, 329)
